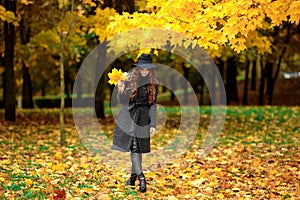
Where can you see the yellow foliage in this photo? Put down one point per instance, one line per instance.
(8, 16)
(2, 179)
(172, 198)
(220, 196)
(58, 167)
(293, 11)
(28, 182)
(211, 24)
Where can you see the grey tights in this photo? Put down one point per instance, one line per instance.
(136, 161)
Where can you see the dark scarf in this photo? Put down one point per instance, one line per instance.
(143, 80)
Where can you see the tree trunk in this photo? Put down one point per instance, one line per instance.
(184, 84)
(9, 38)
(79, 89)
(62, 95)
(262, 84)
(131, 6)
(99, 100)
(275, 77)
(63, 35)
(124, 6)
(201, 92)
(2, 74)
(173, 87)
(43, 90)
(289, 25)
(4, 88)
(67, 81)
(245, 97)
(213, 95)
(253, 75)
(221, 66)
(269, 75)
(107, 3)
(27, 99)
(99, 96)
(231, 83)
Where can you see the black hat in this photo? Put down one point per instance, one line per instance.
(145, 61)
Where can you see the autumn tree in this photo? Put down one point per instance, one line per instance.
(62, 26)
(281, 37)
(238, 26)
(52, 42)
(25, 32)
(9, 18)
(9, 76)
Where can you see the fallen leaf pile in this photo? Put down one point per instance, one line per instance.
(256, 157)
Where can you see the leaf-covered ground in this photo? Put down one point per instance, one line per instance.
(256, 157)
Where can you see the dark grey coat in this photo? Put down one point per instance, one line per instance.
(134, 120)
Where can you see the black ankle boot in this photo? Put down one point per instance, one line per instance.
(142, 182)
(132, 179)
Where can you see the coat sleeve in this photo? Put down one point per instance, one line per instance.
(124, 96)
(152, 114)
(152, 111)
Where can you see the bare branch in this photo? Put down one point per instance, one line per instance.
(72, 22)
(52, 18)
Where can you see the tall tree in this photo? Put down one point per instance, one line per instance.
(63, 33)
(245, 96)
(25, 31)
(262, 80)
(253, 75)
(99, 96)
(107, 10)
(9, 17)
(231, 83)
(186, 69)
(9, 77)
(272, 79)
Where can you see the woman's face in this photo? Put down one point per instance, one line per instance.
(143, 71)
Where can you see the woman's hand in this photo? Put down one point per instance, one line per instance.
(152, 130)
(121, 86)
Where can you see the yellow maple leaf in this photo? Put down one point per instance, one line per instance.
(58, 155)
(86, 190)
(84, 166)
(172, 198)
(220, 196)
(58, 167)
(217, 169)
(298, 190)
(235, 170)
(2, 179)
(28, 182)
(203, 173)
(115, 76)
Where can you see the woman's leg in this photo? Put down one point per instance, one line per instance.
(136, 157)
(136, 161)
(136, 170)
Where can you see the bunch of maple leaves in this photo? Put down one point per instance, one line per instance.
(256, 157)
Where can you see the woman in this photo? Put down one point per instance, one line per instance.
(137, 118)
